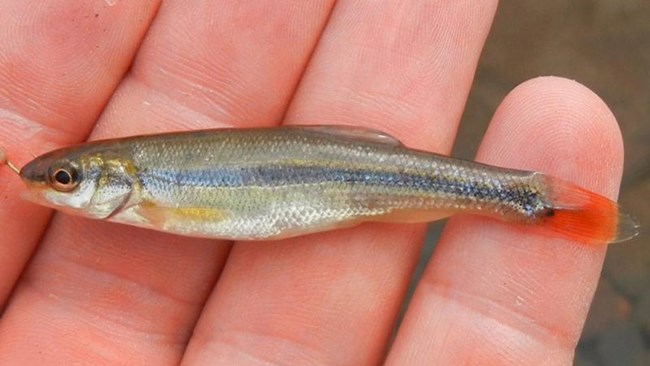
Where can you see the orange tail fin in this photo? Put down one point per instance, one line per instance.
(586, 216)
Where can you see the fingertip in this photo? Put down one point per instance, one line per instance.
(559, 127)
(487, 276)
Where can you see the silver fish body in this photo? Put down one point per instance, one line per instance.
(270, 183)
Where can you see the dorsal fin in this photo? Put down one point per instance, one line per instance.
(355, 132)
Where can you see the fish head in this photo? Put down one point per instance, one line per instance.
(79, 181)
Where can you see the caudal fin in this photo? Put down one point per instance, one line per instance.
(586, 216)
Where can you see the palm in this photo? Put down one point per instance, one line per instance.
(98, 292)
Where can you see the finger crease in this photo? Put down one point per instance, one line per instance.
(500, 313)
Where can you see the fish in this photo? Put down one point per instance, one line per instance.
(282, 182)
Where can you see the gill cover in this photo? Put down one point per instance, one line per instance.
(113, 189)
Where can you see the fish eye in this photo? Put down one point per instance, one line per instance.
(64, 179)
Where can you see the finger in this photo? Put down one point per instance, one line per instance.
(219, 64)
(114, 294)
(494, 293)
(332, 298)
(59, 63)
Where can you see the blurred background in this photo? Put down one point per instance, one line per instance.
(605, 45)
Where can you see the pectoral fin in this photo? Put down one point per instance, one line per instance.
(164, 216)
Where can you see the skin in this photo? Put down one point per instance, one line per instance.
(100, 293)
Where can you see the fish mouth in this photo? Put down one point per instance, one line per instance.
(36, 194)
(33, 174)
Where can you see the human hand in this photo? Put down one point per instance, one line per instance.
(97, 292)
